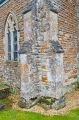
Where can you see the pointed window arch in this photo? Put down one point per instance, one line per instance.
(12, 38)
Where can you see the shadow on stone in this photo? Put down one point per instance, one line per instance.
(23, 103)
(45, 102)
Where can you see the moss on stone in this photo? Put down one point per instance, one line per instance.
(3, 86)
(46, 100)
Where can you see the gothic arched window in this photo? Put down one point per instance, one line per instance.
(11, 37)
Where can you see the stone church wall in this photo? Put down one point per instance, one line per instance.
(66, 34)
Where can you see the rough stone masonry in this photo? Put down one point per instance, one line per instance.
(41, 54)
(48, 51)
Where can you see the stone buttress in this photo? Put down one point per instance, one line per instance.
(41, 56)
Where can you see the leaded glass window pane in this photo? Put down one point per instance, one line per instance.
(15, 56)
(15, 45)
(9, 38)
(9, 45)
(15, 36)
(9, 48)
(9, 56)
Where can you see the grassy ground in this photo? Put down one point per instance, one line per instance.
(11, 114)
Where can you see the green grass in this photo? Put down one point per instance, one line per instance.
(11, 114)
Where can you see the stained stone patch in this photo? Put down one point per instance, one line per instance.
(56, 47)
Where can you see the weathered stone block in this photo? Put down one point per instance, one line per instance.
(58, 104)
(23, 103)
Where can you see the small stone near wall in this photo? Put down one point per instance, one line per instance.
(2, 106)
